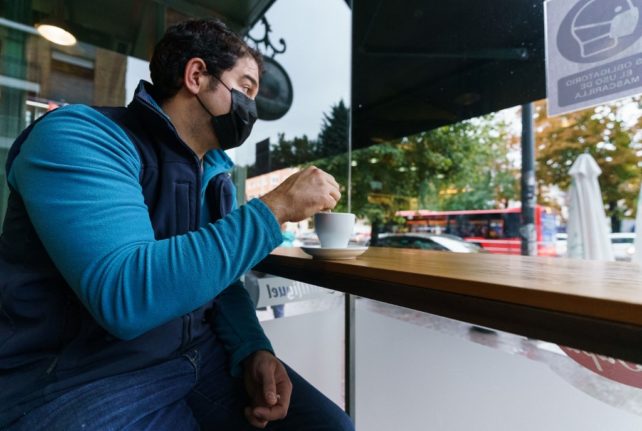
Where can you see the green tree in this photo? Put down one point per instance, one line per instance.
(379, 188)
(603, 134)
(286, 153)
(490, 178)
(460, 166)
(333, 137)
(465, 165)
(332, 140)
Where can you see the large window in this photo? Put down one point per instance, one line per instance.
(37, 76)
(436, 127)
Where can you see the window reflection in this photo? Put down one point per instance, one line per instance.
(37, 77)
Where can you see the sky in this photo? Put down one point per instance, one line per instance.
(317, 59)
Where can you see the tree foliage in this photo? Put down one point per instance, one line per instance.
(461, 166)
(293, 152)
(471, 164)
(333, 138)
(601, 132)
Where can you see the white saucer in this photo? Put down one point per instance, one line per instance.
(349, 252)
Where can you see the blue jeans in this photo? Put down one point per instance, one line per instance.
(192, 392)
(278, 311)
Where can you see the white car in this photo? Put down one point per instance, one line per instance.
(428, 241)
(622, 244)
(560, 244)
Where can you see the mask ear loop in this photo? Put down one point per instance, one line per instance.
(219, 80)
(204, 107)
(201, 102)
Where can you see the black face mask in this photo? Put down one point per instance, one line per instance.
(233, 129)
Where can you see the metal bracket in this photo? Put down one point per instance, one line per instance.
(265, 40)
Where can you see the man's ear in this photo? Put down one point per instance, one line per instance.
(193, 75)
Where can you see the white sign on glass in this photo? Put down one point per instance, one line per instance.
(593, 52)
(278, 290)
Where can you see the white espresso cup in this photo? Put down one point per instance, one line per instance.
(334, 229)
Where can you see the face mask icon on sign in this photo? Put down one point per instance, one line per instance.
(600, 24)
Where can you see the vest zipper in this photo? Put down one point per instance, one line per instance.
(187, 319)
(199, 179)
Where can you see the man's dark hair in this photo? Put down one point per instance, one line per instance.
(208, 39)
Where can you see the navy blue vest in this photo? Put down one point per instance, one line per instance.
(48, 340)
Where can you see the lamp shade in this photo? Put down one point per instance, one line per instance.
(54, 31)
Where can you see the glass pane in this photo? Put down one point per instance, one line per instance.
(428, 64)
(444, 374)
(37, 77)
(305, 325)
(434, 95)
(317, 124)
(437, 131)
(304, 322)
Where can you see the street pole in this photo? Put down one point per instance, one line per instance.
(527, 229)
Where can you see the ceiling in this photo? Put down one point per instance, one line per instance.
(132, 27)
(434, 62)
(414, 68)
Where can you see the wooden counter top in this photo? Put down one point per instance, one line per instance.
(586, 304)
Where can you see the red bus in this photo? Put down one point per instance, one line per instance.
(495, 230)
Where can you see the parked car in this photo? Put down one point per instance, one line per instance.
(427, 241)
(308, 239)
(560, 244)
(622, 244)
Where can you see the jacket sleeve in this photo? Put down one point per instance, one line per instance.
(78, 175)
(236, 325)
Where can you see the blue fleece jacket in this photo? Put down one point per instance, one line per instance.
(78, 174)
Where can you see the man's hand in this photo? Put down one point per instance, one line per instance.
(303, 194)
(269, 387)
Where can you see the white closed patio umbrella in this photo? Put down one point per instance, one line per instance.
(637, 256)
(588, 236)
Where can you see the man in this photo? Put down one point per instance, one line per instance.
(121, 251)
